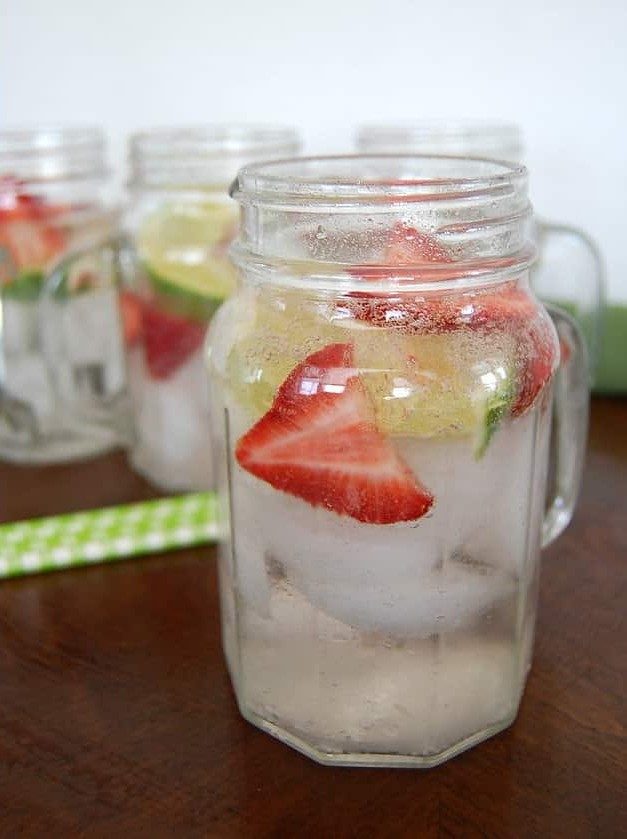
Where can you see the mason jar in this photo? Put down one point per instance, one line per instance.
(180, 223)
(569, 270)
(54, 199)
(382, 392)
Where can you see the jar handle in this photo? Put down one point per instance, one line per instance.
(82, 339)
(571, 401)
(570, 273)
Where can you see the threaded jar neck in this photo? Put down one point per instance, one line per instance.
(330, 213)
(204, 156)
(482, 138)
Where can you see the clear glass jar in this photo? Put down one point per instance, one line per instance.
(381, 392)
(569, 270)
(181, 222)
(54, 200)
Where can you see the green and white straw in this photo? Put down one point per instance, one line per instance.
(47, 544)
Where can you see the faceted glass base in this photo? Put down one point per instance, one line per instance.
(365, 759)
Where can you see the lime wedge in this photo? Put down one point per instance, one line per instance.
(423, 385)
(492, 408)
(183, 248)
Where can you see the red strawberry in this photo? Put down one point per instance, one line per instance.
(131, 314)
(505, 307)
(566, 350)
(434, 312)
(15, 203)
(411, 247)
(406, 247)
(319, 443)
(25, 228)
(537, 351)
(169, 341)
(31, 244)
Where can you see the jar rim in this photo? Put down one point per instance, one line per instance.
(361, 179)
(53, 152)
(447, 135)
(206, 154)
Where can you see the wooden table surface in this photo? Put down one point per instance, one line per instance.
(117, 716)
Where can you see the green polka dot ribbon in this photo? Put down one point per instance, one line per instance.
(46, 544)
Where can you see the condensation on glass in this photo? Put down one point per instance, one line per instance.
(569, 270)
(382, 384)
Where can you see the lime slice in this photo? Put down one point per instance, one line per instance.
(437, 385)
(286, 328)
(492, 406)
(183, 248)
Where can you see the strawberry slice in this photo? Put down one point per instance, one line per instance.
(31, 244)
(169, 340)
(433, 313)
(538, 356)
(132, 317)
(506, 307)
(25, 227)
(319, 443)
(411, 247)
(406, 247)
(566, 350)
(15, 203)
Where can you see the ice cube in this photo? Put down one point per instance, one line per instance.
(27, 380)
(394, 579)
(19, 322)
(172, 424)
(417, 606)
(483, 504)
(92, 337)
(410, 578)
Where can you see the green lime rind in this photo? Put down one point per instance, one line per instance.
(25, 287)
(495, 408)
(181, 300)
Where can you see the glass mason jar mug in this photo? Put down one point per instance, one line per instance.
(181, 222)
(53, 200)
(382, 389)
(569, 269)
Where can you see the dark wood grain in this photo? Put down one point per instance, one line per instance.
(117, 717)
(28, 492)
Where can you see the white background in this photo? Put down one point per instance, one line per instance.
(559, 67)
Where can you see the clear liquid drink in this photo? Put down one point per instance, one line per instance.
(382, 396)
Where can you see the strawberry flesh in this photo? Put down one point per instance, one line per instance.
(506, 307)
(132, 317)
(169, 340)
(538, 356)
(411, 247)
(26, 230)
(318, 442)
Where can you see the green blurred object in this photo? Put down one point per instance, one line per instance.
(610, 370)
(611, 373)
